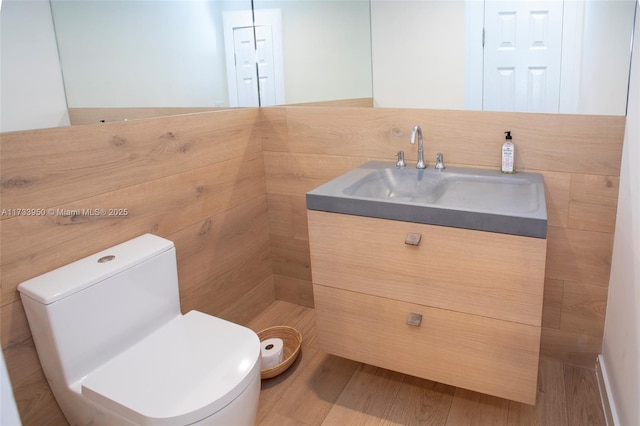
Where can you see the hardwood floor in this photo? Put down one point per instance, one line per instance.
(322, 389)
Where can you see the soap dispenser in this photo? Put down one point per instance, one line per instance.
(508, 154)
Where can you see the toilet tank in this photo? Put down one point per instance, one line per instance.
(88, 311)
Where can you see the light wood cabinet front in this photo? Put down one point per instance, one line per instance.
(477, 353)
(479, 295)
(483, 273)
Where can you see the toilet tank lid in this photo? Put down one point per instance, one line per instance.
(69, 279)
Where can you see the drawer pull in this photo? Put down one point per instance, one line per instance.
(413, 239)
(414, 319)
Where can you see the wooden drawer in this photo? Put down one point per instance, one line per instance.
(494, 275)
(482, 354)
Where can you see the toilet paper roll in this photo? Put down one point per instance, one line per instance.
(272, 352)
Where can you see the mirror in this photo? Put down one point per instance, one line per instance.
(400, 53)
(326, 48)
(124, 53)
(196, 54)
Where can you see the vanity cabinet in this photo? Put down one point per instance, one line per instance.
(462, 307)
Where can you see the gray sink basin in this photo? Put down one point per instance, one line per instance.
(465, 198)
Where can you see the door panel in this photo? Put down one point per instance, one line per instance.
(264, 59)
(246, 75)
(522, 53)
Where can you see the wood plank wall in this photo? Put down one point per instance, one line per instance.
(236, 208)
(579, 157)
(197, 180)
(98, 115)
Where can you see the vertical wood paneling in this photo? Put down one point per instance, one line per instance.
(595, 189)
(358, 102)
(179, 175)
(557, 189)
(579, 256)
(288, 216)
(574, 348)
(46, 168)
(295, 174)
(583, 308)
(289, 288)
(161, 206)
(552, 304)
(41, 407)
(545, 142)
(291, 257)
(592, 217)
(223, 257)
(280, 215)
(593, 202)
(252, 302)
(97, 115)
(197, 180)
(273, 129)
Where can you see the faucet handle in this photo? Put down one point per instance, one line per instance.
(439, 162)
(400, 162)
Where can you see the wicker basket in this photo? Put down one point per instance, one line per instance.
(291, 339)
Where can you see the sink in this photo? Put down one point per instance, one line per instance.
(469, 198)
(490, 194)
(458, 189)
(397, 184)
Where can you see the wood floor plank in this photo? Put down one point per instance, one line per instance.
(475, 409)
(550, 408)
(583, 400)
(365, 399)
(312, 394)
(420, 402)
(277, 419)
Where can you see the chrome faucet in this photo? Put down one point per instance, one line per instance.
(439, 162)
(400, 164)
(417, 130)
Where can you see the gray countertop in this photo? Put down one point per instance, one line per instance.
(478, 199)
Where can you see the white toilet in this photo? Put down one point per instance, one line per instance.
(116, 349)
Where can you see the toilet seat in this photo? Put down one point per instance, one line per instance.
(187, 370)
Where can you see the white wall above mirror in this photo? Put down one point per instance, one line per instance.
(399, 53)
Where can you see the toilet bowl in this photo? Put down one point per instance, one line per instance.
(116, 349)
